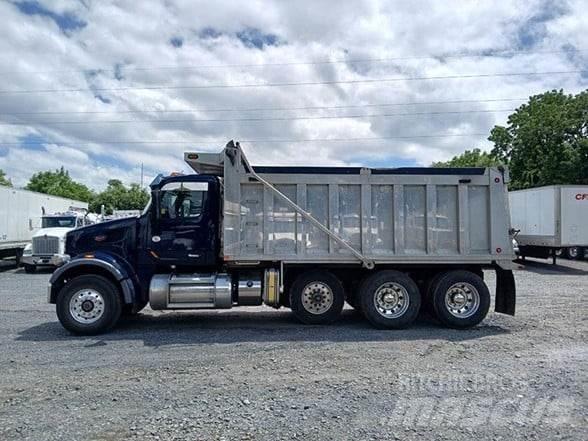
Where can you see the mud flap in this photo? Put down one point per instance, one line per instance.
(506, 292)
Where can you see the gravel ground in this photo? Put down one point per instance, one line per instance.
(256, 374)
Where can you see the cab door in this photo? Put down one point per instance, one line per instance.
(186, 223)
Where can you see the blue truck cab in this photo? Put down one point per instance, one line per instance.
(177, 231)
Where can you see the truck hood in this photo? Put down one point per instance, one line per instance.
(53, 232)
(116, 236)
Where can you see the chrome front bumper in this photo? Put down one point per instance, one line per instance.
(54, 260)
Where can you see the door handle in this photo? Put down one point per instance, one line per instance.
(193, 255)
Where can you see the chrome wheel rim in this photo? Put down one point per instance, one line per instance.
(573, 252)
(391, 300)
(462, 300)
(86, 306)
(317, 298)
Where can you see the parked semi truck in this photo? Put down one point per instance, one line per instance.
(306, 238)
(551, 221)
(20, 217)
(48, 243)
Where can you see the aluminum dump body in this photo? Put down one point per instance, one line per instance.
(406, 215)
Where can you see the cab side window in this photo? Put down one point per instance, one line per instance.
(182, 201)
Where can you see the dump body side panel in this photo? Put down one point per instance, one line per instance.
(397, 218)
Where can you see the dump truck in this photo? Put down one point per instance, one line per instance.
(306, 238)
(551, 221)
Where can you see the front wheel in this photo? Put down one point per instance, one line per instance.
(317, 297)
(89, 305)
(390, 299)
(29, 269)
(460, 299)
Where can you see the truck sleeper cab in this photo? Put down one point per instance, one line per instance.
(309, 238)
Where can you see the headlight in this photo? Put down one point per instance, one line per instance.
(28, 250)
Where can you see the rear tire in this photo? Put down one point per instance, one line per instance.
(427, 294)
(390, 299)
(573, 253)
(317, 297)
(460, 299)
(89, 305)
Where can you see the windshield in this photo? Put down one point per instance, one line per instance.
(59, 222)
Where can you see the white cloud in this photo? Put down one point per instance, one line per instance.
(119, 40)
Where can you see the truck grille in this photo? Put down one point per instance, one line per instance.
(46, 245)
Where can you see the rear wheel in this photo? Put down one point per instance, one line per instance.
(317, 297)
(390, 299)
(460, 299)
(572, 253)
(89, 305)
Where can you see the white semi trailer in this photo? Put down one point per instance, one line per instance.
(21, 212)
(551, 220)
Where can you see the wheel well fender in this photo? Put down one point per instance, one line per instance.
(76, 267)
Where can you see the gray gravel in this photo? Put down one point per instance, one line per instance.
(256, 374)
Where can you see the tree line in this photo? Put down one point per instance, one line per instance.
(544, 142)
(116, 196)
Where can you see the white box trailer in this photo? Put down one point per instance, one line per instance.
(551, 219)
(20, 216)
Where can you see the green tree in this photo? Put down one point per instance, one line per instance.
(545, 141)
(117, 196)
(4, 180)
(470, 158)
(59, 183)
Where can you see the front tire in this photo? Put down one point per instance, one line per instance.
(29, 269)
(317, 297)
(89, 305)
(390, 299)
(460, 299)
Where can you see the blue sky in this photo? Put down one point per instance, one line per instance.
(91, 46)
